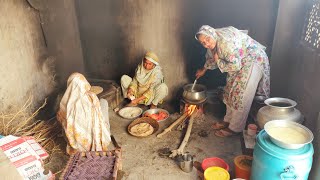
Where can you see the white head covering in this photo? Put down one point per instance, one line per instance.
(152, 57)
(143, 75)
(81, 117)
(207, 31)
(152, 60)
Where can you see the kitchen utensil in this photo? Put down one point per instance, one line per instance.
(148, 120)
(194, 83)
(278, 108)
(130, 112)
(215, 173)
(288, 134)
(155, 111)
(242, 164)
(198, 95)
(185, 162)
(214, 162)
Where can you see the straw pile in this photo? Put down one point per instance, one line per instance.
(23, 123)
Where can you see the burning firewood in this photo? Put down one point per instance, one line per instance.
(179, 120)
(182, 125)
(186, 114)
(185, 140)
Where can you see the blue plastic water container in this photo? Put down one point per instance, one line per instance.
(271, 162)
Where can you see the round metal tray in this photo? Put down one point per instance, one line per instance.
(297, 128)
(154, 111)
(130, 112)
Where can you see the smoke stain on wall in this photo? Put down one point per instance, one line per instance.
(116, 34)
(25, 70)
(154, 26)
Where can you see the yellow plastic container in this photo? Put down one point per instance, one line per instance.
(216, 173)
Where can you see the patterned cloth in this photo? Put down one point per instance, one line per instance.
(82, 119)
(148, 83)
(160, 91)
(237, 119)
(235, 53)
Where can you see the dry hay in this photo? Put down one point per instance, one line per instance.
(23, 123)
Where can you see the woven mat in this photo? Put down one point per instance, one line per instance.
(91, 165)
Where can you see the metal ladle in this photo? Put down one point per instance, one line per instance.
(194, 83)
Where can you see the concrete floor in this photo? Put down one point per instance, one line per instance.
(141, 157)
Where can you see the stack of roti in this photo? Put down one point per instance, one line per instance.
(141, 129)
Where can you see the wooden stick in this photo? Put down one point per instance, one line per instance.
(116, 168)
(185, 139)
(181, 125)
(118, 163)
(168, 129)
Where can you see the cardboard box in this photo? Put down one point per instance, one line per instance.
(22, 156)
(7, 169)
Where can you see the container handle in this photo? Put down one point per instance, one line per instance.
(288, 173)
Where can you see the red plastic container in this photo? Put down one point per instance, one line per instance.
(214, 161)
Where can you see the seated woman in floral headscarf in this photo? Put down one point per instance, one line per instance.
(147, 86)
(84, 118)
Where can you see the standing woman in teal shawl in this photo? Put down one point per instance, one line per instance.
(248, 73)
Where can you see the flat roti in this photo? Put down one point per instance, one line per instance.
(142, 129)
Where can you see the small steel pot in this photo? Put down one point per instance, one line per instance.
(197, 95)
(185, 162)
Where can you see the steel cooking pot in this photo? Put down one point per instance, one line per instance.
(278, 108)
(197, 95)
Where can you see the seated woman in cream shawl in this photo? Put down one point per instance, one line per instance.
(84, 118)
(147, 86)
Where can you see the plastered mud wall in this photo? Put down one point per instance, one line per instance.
(25, 67)
(116, 34)
(295, 69)
(294, 66)
(108, 38)
(61, 32)
(155, 26)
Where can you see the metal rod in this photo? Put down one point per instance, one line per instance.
(194, 83)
